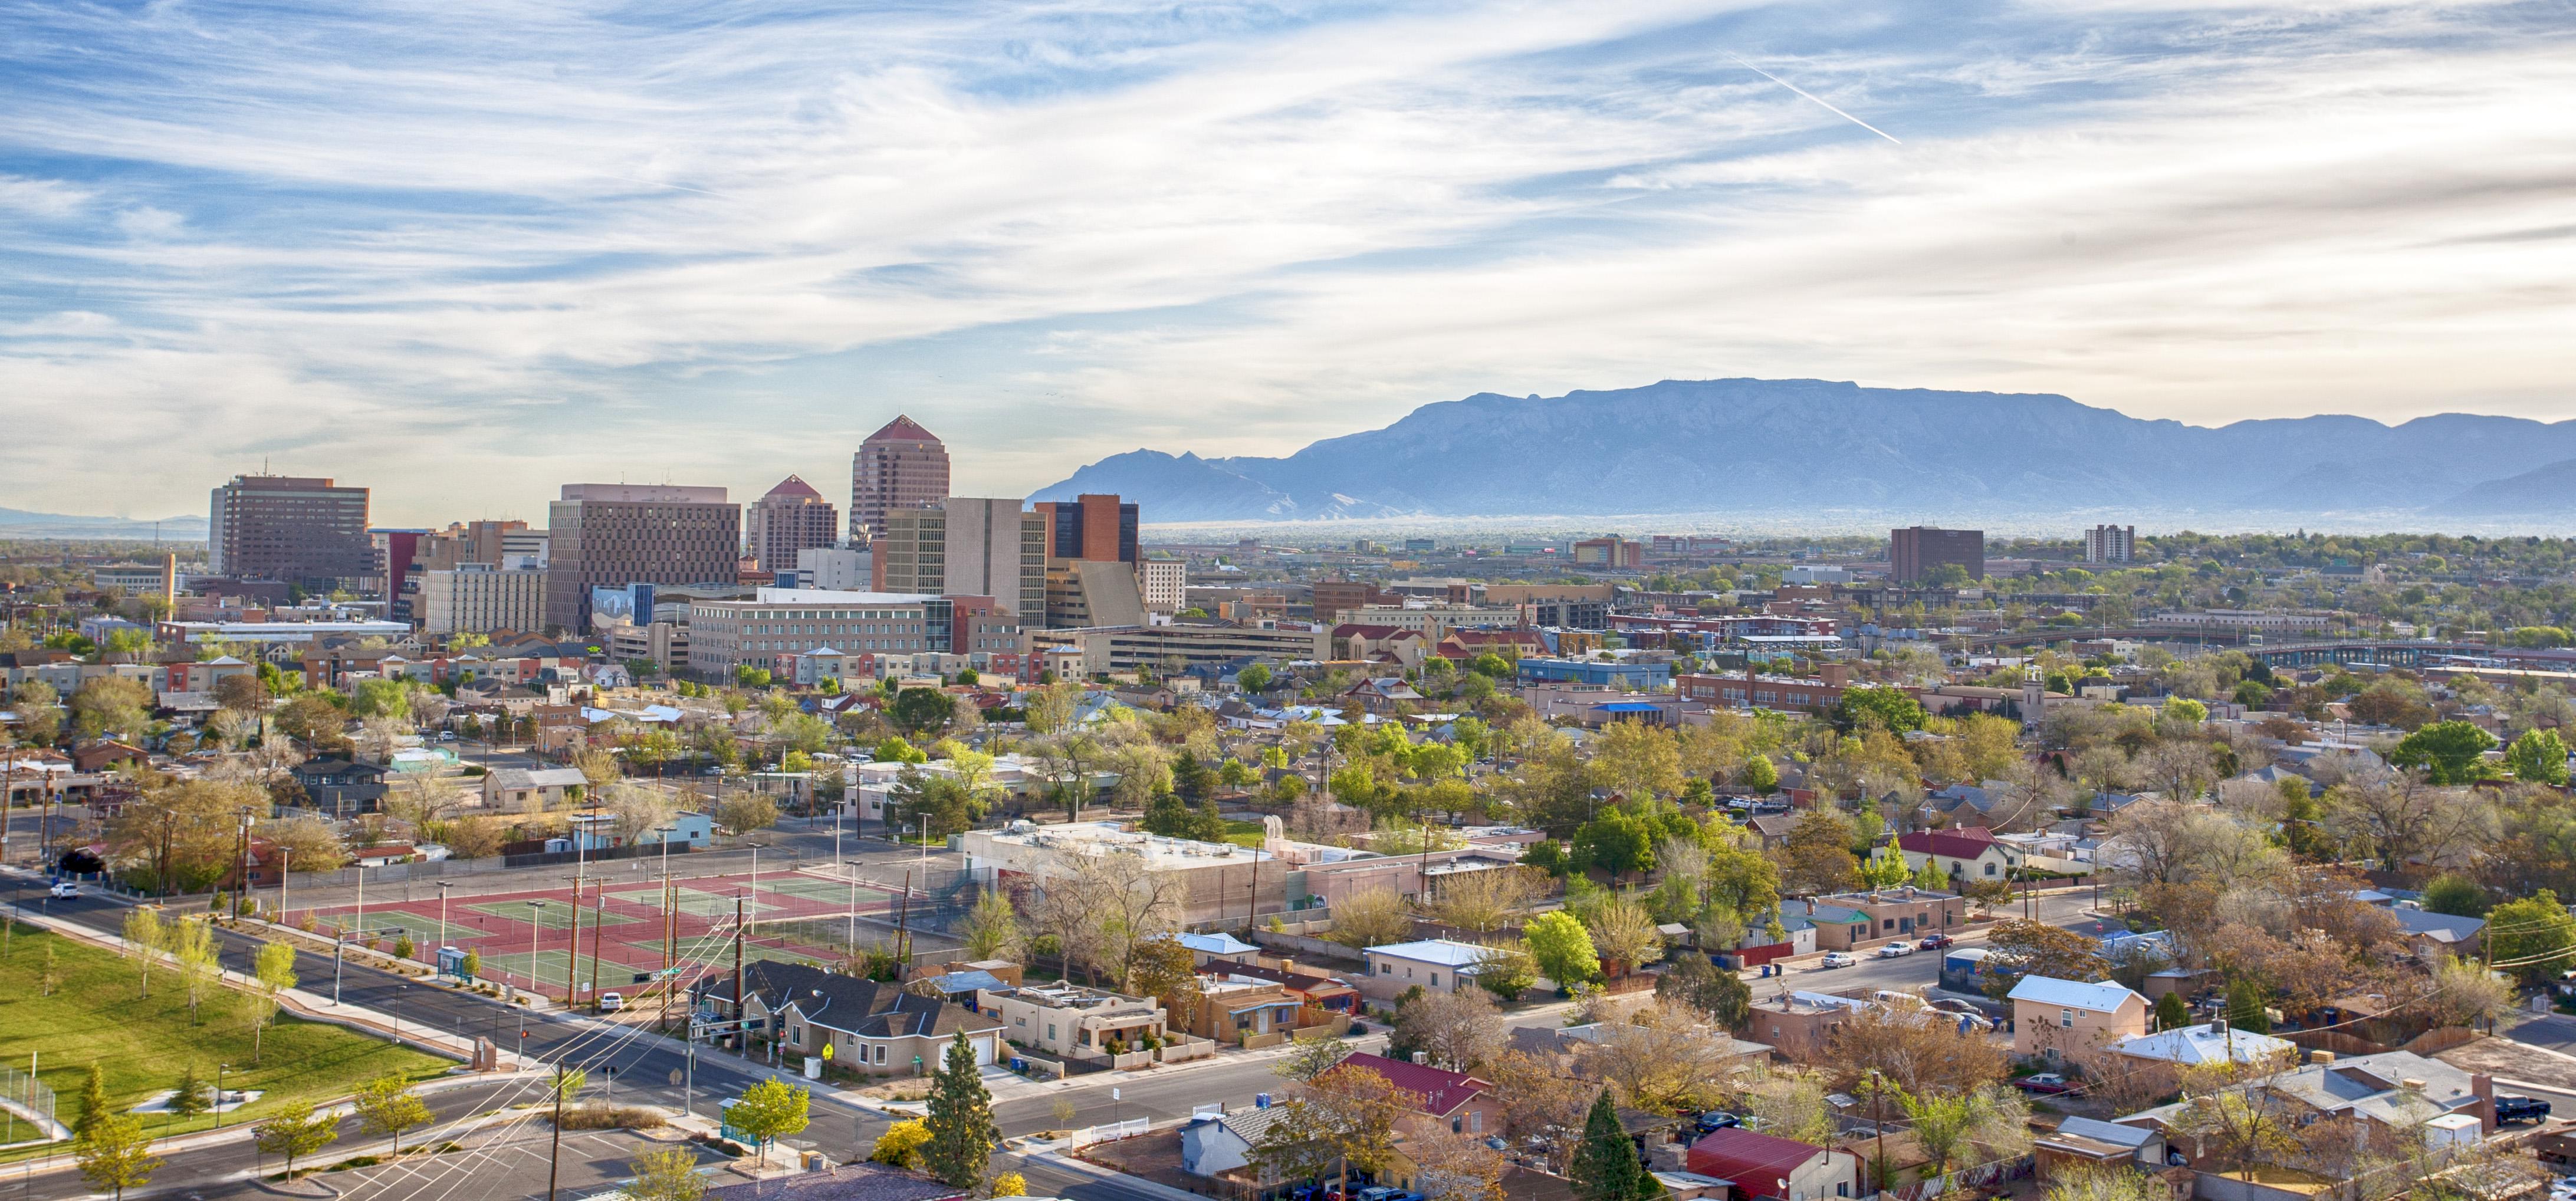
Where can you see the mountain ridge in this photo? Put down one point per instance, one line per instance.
(1769, 447)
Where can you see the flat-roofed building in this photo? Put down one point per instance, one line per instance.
(479, 598)
(613, 535)
(304, 530)
(1185, 644)
(729, 634)
(966, 546)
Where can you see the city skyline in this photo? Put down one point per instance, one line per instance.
(1054, 237)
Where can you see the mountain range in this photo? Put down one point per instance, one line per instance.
(1782, 448)
(20, 523)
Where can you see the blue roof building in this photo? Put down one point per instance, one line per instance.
(1639, 677)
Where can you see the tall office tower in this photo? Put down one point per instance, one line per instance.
(2110, 544)
(302, 530)
(1915, 552)
(966, 547)
(792, 517)
(619, 534)
(901, 466)
(1095, 526)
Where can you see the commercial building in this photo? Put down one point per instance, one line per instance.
(494, 542)
(1169, 648)
(1332, 598)
(1634, 676)
(1434, 621)
(1612, 552)
(968, 547)
(479, 598)
(724, 635)
(277, 633)
(789, 518)
(1094, 526)
(1915, 552)
(1569, 606)
(1164, 584)
(618, 534)
(834, 569)
(2111, 544)
(901, 466)
(1216, 879)
(303, 530)
(138, 578)
(1089, 593)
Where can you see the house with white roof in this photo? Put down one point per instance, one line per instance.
(1436, 964)
(2057, 1019)
(2204, 1043)
(1219, 947)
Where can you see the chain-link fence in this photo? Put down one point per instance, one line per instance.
(30, 1108)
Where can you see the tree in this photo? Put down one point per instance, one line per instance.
(2539, 756)
(1309, 1057)
(1506, 971)
(1010, 1184)
(1255, 678)
(189, 1099)
(295, 1131)
(144, 936)
(770, 1110)
(1562, 947)
(666, 1175)
(1605, 1164)
(2020, 948)
(959, 1119)
(1817, 857)
(193, 949)
(1345, 1117)
(1166, 815)
(2447, 751)
(385, 1105)
(900, 1145)
(1889, 709)
(1371, 919)
(1460, 1029)
(2091, 1183)
(1702, 985)
(921, 710)
(992, 927)
(1615, 843)
(1624, 934)
(2171, 1013)
(1948, 1126)
(2246, 1009)
(1916, 1050)
(2531, 937)
(115, 1155)
(2454, 894)
(1165, 969)
(111, 705)
(744, 812)
(93, 1101)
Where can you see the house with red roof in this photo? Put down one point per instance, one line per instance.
(1462, 1103)
(1963, 853)
(1773, 1168)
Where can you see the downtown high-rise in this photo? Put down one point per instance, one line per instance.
(901, 466)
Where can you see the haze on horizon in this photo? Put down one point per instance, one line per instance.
(463, 254)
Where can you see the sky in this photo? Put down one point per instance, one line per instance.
(464, 251)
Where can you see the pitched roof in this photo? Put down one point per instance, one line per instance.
(867, 1008)
(1755, 1162)
(1969, 842)
(2105, 997)
(1219, 943)
(1442, 951)
(1442, 1091)
(903, 429)
(793, 486)
(2198, 1043)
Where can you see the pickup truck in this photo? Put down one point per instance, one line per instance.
(2521, 1109)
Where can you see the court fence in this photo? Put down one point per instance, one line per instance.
(29, 1102)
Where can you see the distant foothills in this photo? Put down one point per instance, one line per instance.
(1785, 452)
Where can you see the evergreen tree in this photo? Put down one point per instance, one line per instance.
(1166, 815)
(2245, 1007)
(2171, 1014)
(1207, 825)
(93, 1101)
(1193, 779)
(959, 1119)
(1605, 1166)
(190, 1100)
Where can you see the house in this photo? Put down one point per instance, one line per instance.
(340, 786)
(1463, 1103)
(1383, 694)
(1765, 1166)
(1774, 829)
(1380, 644)
(2081, 1143)
(1963, 854)
(845, 1182)
(2055, 1019)
(1798, 1024)
(1218, 948)
(1089, 1024)
(1242, 1010)
(1310, 988)
(870, 1026)
(104, 753)
(1215, 1144)
(2203, 1043)
(532, 790)
(2400, 1091)
(1436, 964)
(1904, 911)
(1837, 927)
(2444, 933)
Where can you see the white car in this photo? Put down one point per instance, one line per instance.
(65, 890)
(1896, 950)
(1837, 959)
(610, 1002)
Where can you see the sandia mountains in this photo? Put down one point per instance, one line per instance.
(1781, 448)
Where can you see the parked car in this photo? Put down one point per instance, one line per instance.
(1717, 1119)
(1837, 959)
(1935, 942)
(65, 890)
(1896, 950)
(610, 1002)
(2521, 1109)
(2045, 1082)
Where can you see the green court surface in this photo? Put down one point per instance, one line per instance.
(423, 930)
(813, 889)
(720, 954)
(555, 915)
(692, 902)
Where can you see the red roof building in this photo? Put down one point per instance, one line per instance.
(1445, 1094)
(1761, 1165)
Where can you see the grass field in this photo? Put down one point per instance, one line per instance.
(142, 1044)
(1245, 834)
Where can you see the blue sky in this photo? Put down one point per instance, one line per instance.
(463, 252)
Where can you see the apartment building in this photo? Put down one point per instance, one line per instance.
(1164, 584)
(479, 598)
(789, 518)
(612, 535)
(1570, 606)
(2111, 544)
(901, 466)
(303, 530)
(966, 546)
(724, 635)
(1094, 526)
(1612, 552)
(1184, 645)
(1915, 552)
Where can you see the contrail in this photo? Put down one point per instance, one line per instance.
(1739, 60)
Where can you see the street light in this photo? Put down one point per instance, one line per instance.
(853, 865)
(443, 886)
(536, 923)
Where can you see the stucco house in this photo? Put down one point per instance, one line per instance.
(2058, 1019)
(1774, 1169)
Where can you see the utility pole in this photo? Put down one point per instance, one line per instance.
(903, 923)
(241, 890)
(742, 1033)
(554, 1156)
(598, 911)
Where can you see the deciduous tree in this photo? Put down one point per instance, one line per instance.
(386, 1106)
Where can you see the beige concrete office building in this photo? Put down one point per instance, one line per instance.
(479, 598)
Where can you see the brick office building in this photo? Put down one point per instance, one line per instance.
(303, 530)
(618, 534)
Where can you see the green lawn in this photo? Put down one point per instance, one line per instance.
(143, 1044)
(1244, 833)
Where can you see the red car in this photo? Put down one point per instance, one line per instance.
(1934, 942)
(2045, 1082)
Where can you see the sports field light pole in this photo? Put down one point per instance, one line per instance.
(536, 923)
(669, 930)
(853, 865)
(443, 886)
(755, 880)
